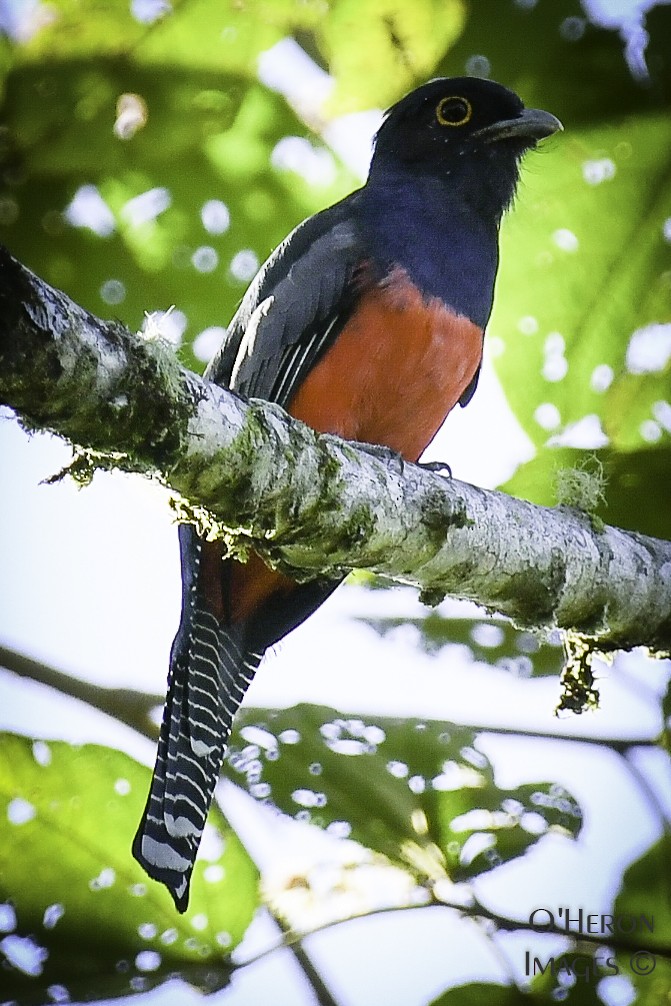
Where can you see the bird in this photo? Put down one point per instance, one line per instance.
(366, 322)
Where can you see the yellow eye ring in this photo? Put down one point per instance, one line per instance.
(459, 105)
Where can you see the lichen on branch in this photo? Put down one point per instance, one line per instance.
(314, 505)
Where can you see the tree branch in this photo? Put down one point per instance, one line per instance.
(314, 505)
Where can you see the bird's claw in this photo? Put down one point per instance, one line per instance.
(439, 467)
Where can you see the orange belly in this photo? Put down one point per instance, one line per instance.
(394, 372)
(391, 377)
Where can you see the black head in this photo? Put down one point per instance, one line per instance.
(461, 125)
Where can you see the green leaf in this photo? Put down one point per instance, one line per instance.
(634, 484)
(379, 49)
(477, 993)
(420, 793)
(644, 896)
(207, 137)
(67, 819)
(494, 642)
(554, 58)
(583, 266)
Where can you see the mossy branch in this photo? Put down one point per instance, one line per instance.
(316, 505)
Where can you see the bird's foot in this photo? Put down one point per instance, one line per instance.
(439, 467)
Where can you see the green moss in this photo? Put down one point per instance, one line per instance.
(582, 487)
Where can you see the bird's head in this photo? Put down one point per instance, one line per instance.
(469, 130)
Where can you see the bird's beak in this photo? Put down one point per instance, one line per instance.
(531, 123)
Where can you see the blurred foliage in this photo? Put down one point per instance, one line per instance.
(83, 905)
(149, 121)
(492, 641)
(431, 803)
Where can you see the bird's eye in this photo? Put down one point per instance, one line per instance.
(453, 111)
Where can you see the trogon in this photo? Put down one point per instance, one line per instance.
(366, 322)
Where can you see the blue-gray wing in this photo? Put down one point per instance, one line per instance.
(294, 309)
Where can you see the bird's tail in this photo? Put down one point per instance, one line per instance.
(210, 670)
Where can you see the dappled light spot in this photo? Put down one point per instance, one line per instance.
(597, 171)
(495, 346)
(487, 635)
(339, 829)
(205, 259)
(666, 230)
(207, 342)
(169, 936)
(314, 164)
(527, 643)
(650, 431)
(131, 115)
(290, 737)
(315, 768)
(649, 349)
(528, 325)
(7, 918)
(555, 344)
(199, 922)
(308, 798)
(565, 240)
(557, 799)
(224, 939)
(212, 845)
(347, 746)
(122, 787)
(398, 769)
(24, 954)
(547, 416)
(214, 873)
(148, 960)
(474, 846)
(519, 667)
(533, 824)
(52, 915)
(259, 736)
(148, 11)
(244, 265)
(106, 878)
(9, 211)
(20, 811)
(602, 377)
(585, 433)
(137, 984)
(374, 734)
(216, 216)
(147, 206)
(662, 413)
(89, 209)
(572, 28)
(42, 753)
(147, 930)
(419, 822)
(138, 890)
(260, 790)
(416, 784)
(555, 366)
(480, 819)
(473, 757)
(454, 776)
(58, 994)
(478, 66)
(113, 291)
